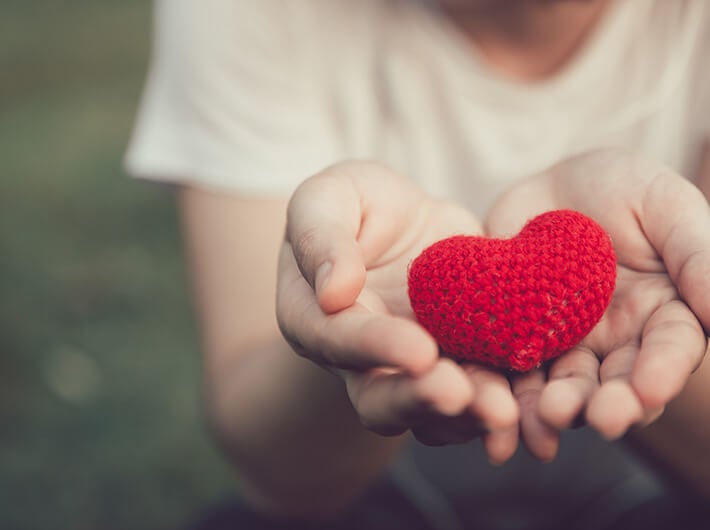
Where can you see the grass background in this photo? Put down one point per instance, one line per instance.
(100, 425)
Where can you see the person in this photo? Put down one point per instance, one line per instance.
(365, 131)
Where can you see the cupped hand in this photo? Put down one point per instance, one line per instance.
(342, 302)
(652, 336)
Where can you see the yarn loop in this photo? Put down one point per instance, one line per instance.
(515, 303)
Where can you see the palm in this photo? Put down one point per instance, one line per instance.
(650, 338)
(637, 296)
(425, 223)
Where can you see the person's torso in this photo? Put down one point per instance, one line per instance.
(406, 88)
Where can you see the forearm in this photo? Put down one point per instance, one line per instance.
(291, 431)
(679, 442)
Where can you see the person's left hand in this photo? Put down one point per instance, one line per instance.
(652, 336)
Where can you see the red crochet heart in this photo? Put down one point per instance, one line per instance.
(515, 303)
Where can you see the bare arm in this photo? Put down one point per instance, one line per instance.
(287, 425)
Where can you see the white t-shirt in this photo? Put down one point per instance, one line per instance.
(253, 97)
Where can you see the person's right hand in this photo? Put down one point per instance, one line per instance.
(342, 302)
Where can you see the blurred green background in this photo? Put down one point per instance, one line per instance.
(100, 423)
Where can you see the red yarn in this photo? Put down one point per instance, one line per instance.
(515, 303)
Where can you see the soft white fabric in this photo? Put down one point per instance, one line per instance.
(254, 96)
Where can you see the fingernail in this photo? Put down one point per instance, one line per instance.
(322, 276)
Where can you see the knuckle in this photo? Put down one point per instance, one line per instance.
(304, 245)
(295, 331)
(294, 341)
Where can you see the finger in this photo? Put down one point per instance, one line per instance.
(539, 438)
(615, 406)
(501, 445)
(494, 403)
(672, 347)
(355, 338)
(390, 403)
(493, 412)
(323, 221)
(676, 219)
(613, 409)
(572, 379)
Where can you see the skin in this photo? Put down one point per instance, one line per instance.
(651, 339)
(308, 433)
(382, 371)
(302, 437)
(345, 307)
(526, 40)
(622, 375)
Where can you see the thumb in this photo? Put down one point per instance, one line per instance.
(676, 220)
(323, 222)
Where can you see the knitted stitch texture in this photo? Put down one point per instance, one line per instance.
(515, 303)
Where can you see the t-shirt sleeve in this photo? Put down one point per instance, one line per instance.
(701, 100)
(230, 101)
